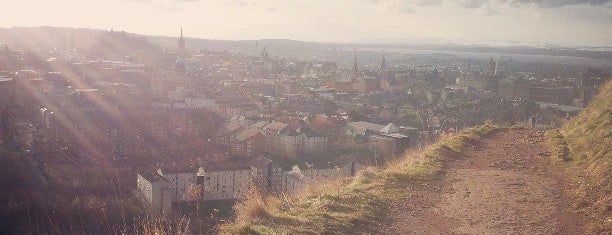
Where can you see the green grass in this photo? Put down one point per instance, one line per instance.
(586, 141)
(350, 206)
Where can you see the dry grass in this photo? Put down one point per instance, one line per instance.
(557, 145)
(154, 226)
(349, 206)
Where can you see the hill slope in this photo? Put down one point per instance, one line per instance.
(586, 141)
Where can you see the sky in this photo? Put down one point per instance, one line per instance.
(498, 22)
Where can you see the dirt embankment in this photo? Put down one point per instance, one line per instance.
(502, 185)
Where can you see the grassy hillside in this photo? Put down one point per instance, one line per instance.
(584, 143)
(349, 206)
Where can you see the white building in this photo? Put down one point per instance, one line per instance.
(224, 180)
(285, 140)
(181, 180)
(154, 191)
(389, 139)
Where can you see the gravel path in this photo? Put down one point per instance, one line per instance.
(503, 185)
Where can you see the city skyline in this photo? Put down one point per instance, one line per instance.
(497, 22)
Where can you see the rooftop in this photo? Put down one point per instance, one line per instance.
(225, 165)
(150, 175)
(276, 126)
(246, 134)
(5, 79)
(177, 169)
(367, 126)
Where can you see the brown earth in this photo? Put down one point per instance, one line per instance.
(504, 184)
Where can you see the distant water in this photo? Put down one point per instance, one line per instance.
(485, 55)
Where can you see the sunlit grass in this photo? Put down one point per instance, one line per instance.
(586, 141)
(350, 206)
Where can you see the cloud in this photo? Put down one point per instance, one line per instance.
(150, 1)
(405, 6)
(558, 3)
(410, 5)
(408, 2)
(473, 3)
(241, 2)
(165, 5)
(535, 3)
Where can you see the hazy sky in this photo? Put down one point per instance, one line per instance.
(565, 22)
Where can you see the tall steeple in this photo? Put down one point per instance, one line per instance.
(355, 68)
(469, 66)
(264, 54)
(496, 65)
(492, 66)
(72, 45)
(181, 46)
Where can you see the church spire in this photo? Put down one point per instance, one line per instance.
(383, 65)
(72, 45)
(181, 45)
(469, 66)
(355, 68)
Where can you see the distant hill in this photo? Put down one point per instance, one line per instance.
(277, 47)
(51, 37)
(48, 37)
(124, 46)
(333, 51)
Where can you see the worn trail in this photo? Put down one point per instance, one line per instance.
(502, 185)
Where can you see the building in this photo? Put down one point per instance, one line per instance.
(155, 191)
(273, 132)
(181, 180)
(181, 50)
(226, 133)
(288, 141)
(552, 94)
(367, 85)
(514, 88)
(7, 104)
(390, 144)
(224, 180)
(479, 82)
(7, 88)
(248, 143)
(389, 139)
(537, 92)
(266, 175)
(362, 128)
(233, 178)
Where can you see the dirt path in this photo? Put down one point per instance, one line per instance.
(503, 185)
